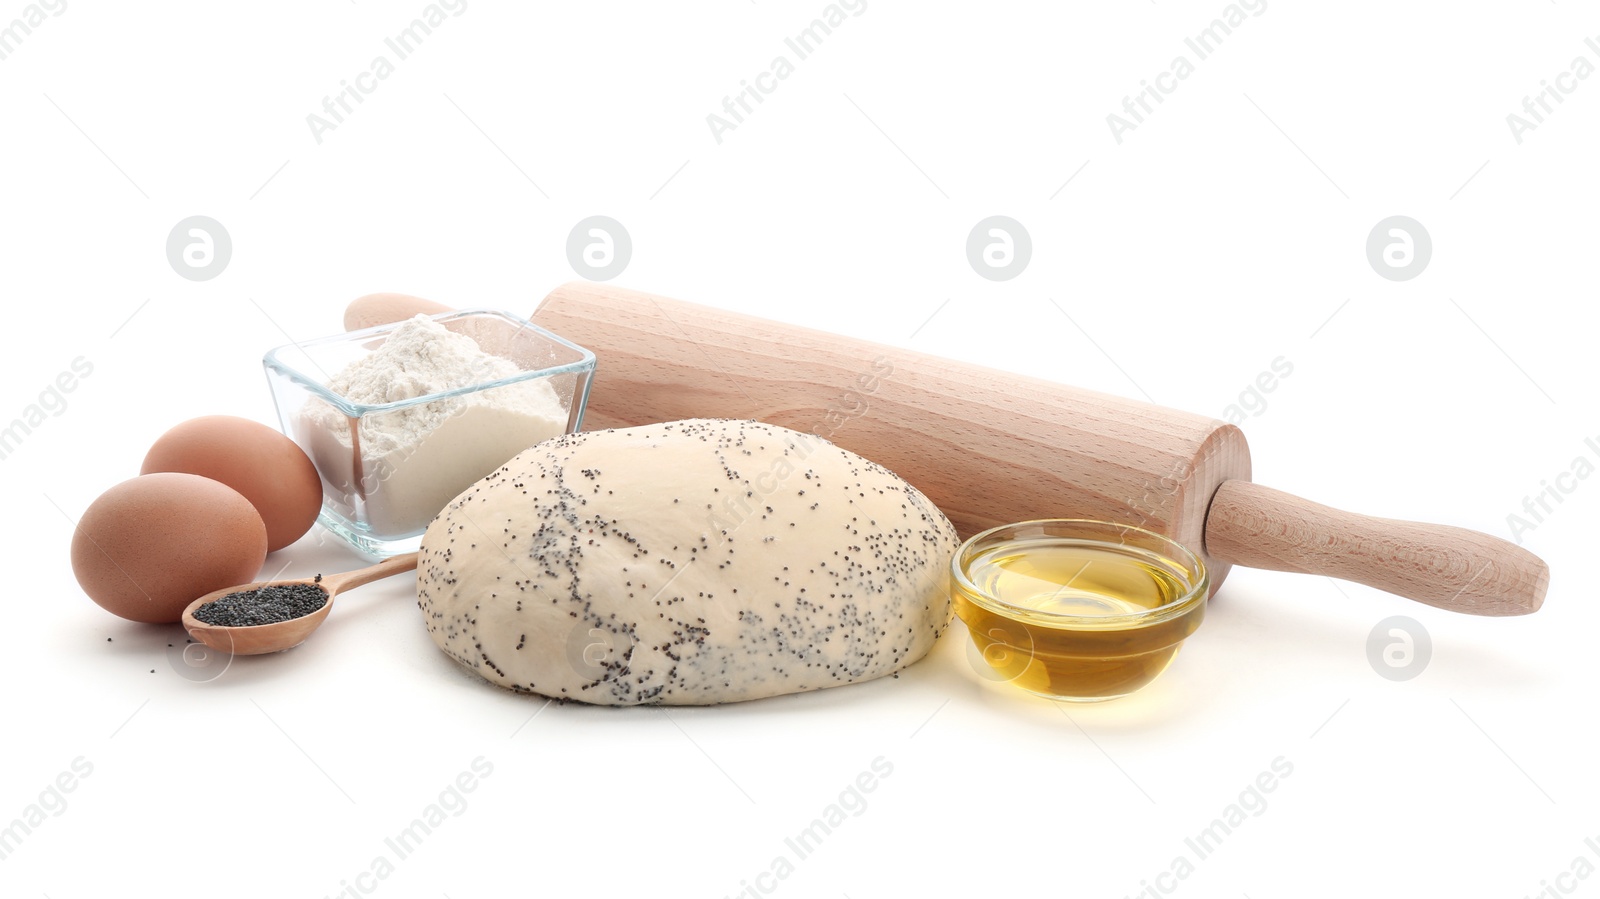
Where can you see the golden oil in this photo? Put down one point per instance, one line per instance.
(1078, 610)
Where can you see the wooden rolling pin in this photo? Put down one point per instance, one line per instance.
(989, 447)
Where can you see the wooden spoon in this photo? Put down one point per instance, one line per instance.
(281, 635)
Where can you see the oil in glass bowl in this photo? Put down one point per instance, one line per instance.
(1078, 610)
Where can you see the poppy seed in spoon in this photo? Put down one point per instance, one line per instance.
(270, 604)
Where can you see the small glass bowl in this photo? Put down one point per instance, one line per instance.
(1078, 610)
(380, 501)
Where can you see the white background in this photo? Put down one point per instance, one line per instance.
(1224, 232)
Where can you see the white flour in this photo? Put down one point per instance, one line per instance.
(414, 461)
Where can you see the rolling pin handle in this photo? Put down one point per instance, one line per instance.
(1447, 567)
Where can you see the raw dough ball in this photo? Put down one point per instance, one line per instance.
(687, 563)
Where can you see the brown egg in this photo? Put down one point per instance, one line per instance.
(266, 467)
(150, 546)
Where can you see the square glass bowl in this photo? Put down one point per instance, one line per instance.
(387, 469)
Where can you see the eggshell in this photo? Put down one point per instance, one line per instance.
(150, 546)
(266, 467)
(376, 309)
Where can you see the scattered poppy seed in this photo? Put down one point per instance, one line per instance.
(263, 605)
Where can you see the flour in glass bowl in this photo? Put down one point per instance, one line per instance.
(405, 466)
